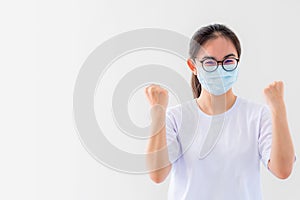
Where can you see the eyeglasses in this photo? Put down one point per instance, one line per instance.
(211, 64)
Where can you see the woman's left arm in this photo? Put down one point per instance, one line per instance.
(282, 151)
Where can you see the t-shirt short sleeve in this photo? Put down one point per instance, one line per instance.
(265, 136)
(173, 144)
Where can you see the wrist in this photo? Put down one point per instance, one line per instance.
(278, 108)
(158, 118)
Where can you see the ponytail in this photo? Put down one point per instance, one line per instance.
(196, 86)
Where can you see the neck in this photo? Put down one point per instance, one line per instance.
(213, 105)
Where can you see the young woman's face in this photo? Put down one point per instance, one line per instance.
(217, 48)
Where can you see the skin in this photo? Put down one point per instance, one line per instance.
(282, 150)
(158, 99)
(209, 103)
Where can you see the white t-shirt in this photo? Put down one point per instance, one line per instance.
(221, 165)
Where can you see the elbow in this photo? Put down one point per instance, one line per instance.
(283, 174)
(157, 179)
(160, 175)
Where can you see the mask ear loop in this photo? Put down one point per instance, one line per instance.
(215, 129)
(213, 135)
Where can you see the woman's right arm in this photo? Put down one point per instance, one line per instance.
(157, 154)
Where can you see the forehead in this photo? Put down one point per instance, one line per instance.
(218, 48)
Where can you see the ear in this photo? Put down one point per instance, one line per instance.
(192, 66)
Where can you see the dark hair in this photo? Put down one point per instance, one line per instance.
(203, 35)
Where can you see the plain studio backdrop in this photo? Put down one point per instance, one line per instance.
(45, 43)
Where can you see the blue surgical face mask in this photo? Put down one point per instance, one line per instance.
(217, 82)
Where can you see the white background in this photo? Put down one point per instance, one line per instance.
(43, 45)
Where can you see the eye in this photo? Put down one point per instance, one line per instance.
(229, 61)
(209, 62)
(230, 64)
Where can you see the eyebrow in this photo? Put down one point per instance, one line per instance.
(211, 57)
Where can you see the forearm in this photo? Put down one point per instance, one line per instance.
(282, 150)
(157, 154)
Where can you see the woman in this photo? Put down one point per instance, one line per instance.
(223, 162)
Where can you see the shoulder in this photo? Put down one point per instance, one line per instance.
(183, 117)
(182, 112)
(179, 109)
(251, 106)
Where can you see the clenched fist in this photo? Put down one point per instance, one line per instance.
(274, 95)
(157, 95)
